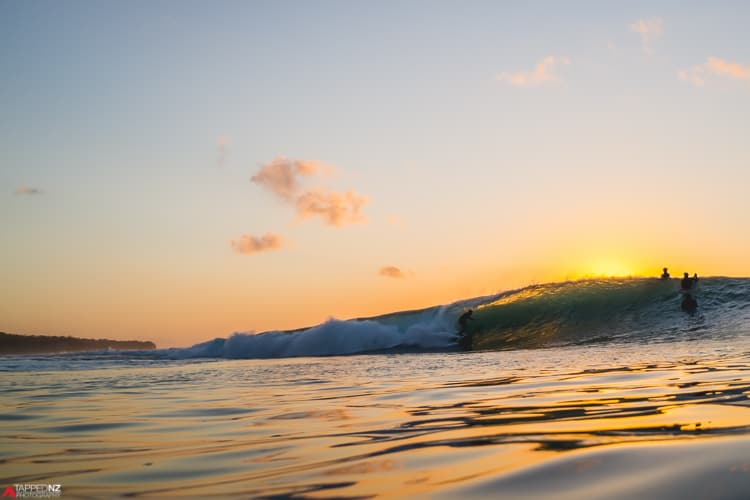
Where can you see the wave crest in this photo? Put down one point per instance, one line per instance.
(554, 314)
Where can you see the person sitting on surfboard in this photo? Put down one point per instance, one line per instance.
(665, 274)
(688, 282)
(689, 304)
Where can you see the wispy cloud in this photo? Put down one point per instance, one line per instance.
(249, 244)
(695, 75)
(28, 191)
(222, 144)
(336, 209)
(308, 167)
(391, 272)
(728, 69)
(545, 71)
(698, 74)
(282, 177)
(650, 30)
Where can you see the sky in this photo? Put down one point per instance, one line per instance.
(178, 171)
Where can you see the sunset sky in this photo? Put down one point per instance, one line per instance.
(178, 171)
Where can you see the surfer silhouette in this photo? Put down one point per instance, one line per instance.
(463, 320)
(689, 304)
(688, 282)
(665, 274)
(464, 338)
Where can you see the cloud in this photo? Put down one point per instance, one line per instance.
(307, 167)
(222, 143)
(714, 66)
(695, 75)
(28, 191)
(650, 30)
(336, 209)
(728, 69)
(391, 272)
(249, 244)
(282, 177)
(279, 176)
(545, 71)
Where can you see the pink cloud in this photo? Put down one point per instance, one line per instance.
(650, 30)
(545, 71)
(336, 209)
(249, 244)
(697, 75)
(307, 167)
(727, 68)
(391, 272)
(282, 177)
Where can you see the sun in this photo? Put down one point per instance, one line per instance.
(608, 268)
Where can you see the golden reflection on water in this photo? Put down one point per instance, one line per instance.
(357, 426)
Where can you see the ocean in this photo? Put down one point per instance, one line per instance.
(585, 389)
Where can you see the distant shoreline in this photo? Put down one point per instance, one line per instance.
(11, 343)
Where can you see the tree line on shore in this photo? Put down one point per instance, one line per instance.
(11, 343)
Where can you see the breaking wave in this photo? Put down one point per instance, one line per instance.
(555, 314)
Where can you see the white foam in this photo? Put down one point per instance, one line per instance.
(429, 329)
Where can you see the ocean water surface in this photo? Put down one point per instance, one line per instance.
(599, 389)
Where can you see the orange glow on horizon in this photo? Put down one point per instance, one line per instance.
(607, 268)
